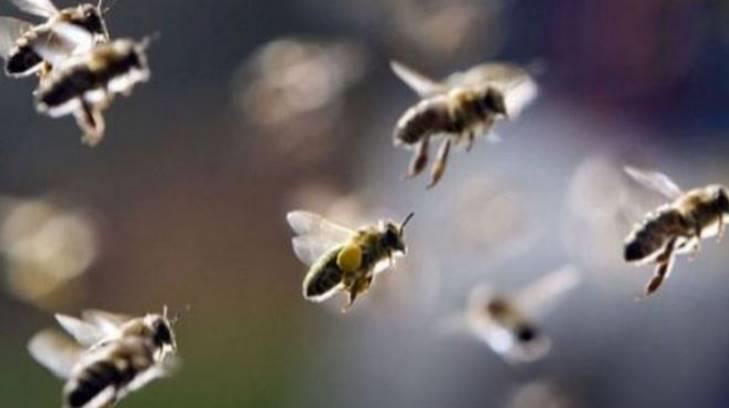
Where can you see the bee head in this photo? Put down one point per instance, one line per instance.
(90, 19)
(392, 237)
(161, 330)
(493, 101)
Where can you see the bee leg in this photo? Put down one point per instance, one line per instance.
(722, 229)
(469, 141)
(420, 158)
(441, 162)
(663, 269)
(91, 121)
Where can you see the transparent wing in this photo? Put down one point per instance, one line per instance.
(418, 82)
(55, 351)
(518, 95)
(498, 74)
(537, 299)
(61, 42)
(85, 333)
(81, 40)
(41, 8)
(308, 223)
(655, 181)
(108, 323)
(10, 30)
(310, 248)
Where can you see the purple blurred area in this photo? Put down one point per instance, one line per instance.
(184, 202)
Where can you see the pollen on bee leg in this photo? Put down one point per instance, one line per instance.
(349, 258)
(440, 163)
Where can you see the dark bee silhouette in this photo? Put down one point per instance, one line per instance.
(674, 228)
(508, 324)
(85, 84)
(18, 39)
(112, 356)
(459, 109)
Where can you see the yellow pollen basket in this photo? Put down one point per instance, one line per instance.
(349, 258)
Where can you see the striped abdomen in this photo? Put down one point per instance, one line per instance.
(652, 236)
(323, 277)
(22, 62)
(118, 365)
(106, 64)
(456, 113)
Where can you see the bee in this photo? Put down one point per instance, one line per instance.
(109, 356)
(17, 37)
(458, 109)
(508, 323)
(674, 228)
(85, 84)
(342, 259)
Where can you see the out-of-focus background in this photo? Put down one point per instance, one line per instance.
(256, 108)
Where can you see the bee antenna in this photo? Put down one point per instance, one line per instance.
(179, 315)
(108, 8)
(146, 41)
(406, 221)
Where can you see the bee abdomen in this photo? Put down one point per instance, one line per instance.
(650, 237)
(67, 87)
(322, 282)
(23, 61)
(422, 120)
(95, 379)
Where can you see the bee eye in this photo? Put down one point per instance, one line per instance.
(390, 239)
(162, 334)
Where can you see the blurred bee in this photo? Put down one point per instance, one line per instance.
(458, 109)
(342, 259)
(85, 84)
(112, 355)
(508, 323)
(674, 228)
(17, 37)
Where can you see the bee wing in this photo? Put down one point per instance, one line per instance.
(85, 333)
(41, 8)
(317, 235)
(655, 181)
(418, 82)
(61, 42)
(106, 322)
(309, 249)
(540, 297)
(10, 30)
(518, 95)
(55, 351)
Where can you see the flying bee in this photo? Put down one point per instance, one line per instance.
(674, 228)
(459, 109)
(112, 355)
(508, 324)
(342, 259)
(17, 37)
(85, 84)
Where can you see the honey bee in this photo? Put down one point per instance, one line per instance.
(85, 84)
(508, 324)
(17, 37)
(674, 228)
(342, 259)
(459, 109)
(112, 355)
